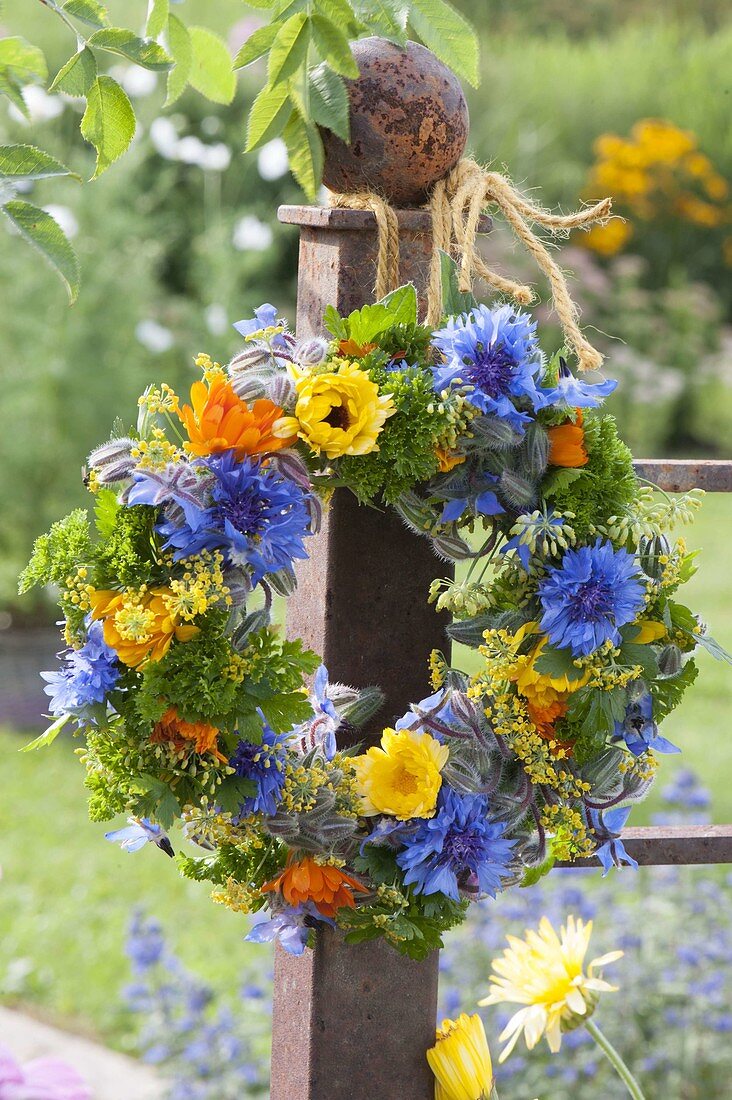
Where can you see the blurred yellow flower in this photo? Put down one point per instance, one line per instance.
(544, 973)
(461, 1060)
(402, 777)
(608, 240)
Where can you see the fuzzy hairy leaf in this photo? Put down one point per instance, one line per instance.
(108, 122)
(45, 234)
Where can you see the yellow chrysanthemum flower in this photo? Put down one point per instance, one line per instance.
(544, 972)
(339, 412)
(402, 777)
(461, 1060)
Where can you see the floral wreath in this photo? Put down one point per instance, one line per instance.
(194, 707)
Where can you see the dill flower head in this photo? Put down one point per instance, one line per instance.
(401, 778)
(139, 627)
(461, 1060)
(325, 886)
(218, 420)
(544, 973)
(338, 412)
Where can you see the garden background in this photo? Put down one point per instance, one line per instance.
(179, 240)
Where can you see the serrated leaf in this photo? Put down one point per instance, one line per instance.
(334, 323)
(268, 115)
(341, 13)
(449, 35)
(388, 19)
(256, 45)
(21, 63)
(48, 737)
(179, 44)
(402, 305)
(329, 105)
(106, 507)
(556, 663)
(232, 791)
(150, 55)
(157, 19)
(76, 77)
(108, 123)
(211, 72)
(558, 480)
(45, 234)
(334, 47)
(30, 163)
(87, 11)
(644, 656)
(289, 48)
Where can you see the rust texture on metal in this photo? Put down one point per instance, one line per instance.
(409, 124)
(662, 846)
(678, 475)
(353, 1022)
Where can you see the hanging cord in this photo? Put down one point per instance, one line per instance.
(387, 264)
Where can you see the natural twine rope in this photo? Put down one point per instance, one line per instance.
(456, 205)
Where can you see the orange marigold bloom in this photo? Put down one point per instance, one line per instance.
(138, 628)
(220, 421)
(544, 719)
(182, 735)
(353, 350)
(448, 459)
(567, 444)
(327, 887)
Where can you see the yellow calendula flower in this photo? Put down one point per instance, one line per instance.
(139, 626)
(401, 778)
(338, 412)
(461, 1060)
(538, 688)
(544, 973)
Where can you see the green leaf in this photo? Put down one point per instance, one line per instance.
(231, 793)
(532, 875)
(87, 11)
(334, 47)
(158, 801)
(77, 75)
(713, 647)
(289, 49)
(256, 45)
(49, 736)
(635, 653)
(106, 508)
(384, 17)
(449, 35)
(329, 101)
(285, 710)
(108, 122)
(150, 55)
(558, 480)
(211, 72)
(334, 323)
(454, 300)
(45, 234)
(157, 19)
(268, 115)
(556, 663)
(402, 305)
(21, 63)
(341, 13)
(179, 44)
(28, 162)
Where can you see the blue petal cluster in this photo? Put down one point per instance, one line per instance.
(291, 926)
(320, 730)
(263, 764)
(494, 351)
(85, 680)
(638, 729)
(607, 827)
(594, 592)
(573, 393)
(457, 849)
(265, 316)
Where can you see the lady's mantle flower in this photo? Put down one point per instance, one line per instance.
(325, 886)
(638, 729)
(576, 394)
(401, 778)
(218, 420)
(290, 926)
(495, 352)
(457, 850)
(264, 765)
(461, 1060)
(88, 675)
(338, 412)
(256, 517)
(544, 973)
(139, 627)
(594, 592)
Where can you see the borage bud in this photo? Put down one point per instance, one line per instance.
(311, 353)
(113, 461)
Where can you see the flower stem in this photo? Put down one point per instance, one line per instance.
(615, 1060)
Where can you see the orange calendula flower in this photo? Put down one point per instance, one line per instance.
(448, 460)
(327, 887)
(218, 420)
(544, 719)
(567, 444)
(138, 625)
(182, 735)
(353, 350)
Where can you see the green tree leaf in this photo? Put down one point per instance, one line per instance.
(341, 13)
(305, 147)
(384, 17)
(157, 19)
(256, 45)
(333, 46)
(289, 49)
(77, 75)
(49, 736)
(449, 35)
(45, 234)
(402, 305)
(329, 101)
(150, 55)
(30, 163)
(87, 11)
(211, 71)
(108, 122)
(180, 46)
(21, 63)
(270, 111)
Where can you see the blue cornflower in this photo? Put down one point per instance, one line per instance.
(607, 827)
(88, 675)
(290, 926)
(256, 518)
(586, 599)
(574, 393)
(138, 833)
(264, 764)
(458, 849)
(320, 730)
(638, 729)
(494, 351)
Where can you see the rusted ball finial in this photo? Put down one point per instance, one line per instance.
(409, 124)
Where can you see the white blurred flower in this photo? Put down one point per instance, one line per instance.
(154, 336)
(217, 320)
(41, 106)
(164, 137)
(190, 149)
(272, 161)
(65, 218)
(211, 125)
(251, 235)
(216, 157)
(136, 81)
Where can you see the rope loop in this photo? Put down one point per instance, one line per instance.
(387, 223)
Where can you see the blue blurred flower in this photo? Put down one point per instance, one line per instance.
(88, 675)
(138, 833)
(264, 765)
(458, 849)
(576, 394)
(586, 599)
(638, 729)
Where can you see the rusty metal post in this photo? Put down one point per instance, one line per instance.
(354, 1022)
